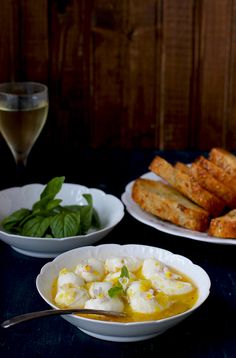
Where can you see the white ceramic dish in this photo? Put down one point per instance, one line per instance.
(109, 208)
(162, 225)
(122, 332)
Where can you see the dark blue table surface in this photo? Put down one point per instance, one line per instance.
(208, 332)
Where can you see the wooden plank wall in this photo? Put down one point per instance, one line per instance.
(127, 74)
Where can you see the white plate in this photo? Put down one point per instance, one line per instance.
(109, 208)
(162, 225)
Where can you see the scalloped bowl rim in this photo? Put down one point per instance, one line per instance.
(195, 272)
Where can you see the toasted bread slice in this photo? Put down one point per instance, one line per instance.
(187, 185)
(223, 159)
(224, 226)
(218, 173)
(167, 203)
(183, 167)
(207, 181)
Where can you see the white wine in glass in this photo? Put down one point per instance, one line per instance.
(23, 113)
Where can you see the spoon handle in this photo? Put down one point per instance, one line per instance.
(54, 312)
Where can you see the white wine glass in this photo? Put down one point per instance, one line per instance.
(23, 113)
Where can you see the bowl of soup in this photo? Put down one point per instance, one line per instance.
(155, 288)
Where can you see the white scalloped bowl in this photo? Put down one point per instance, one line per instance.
(110, 210)
(114, 331)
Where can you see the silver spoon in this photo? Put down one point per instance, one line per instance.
(53, 312)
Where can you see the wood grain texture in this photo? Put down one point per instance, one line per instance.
(69, 71)
(214, 72)
(177, 69)
(8, 40)
(127, 74)
(230, 110)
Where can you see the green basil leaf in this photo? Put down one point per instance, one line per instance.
(86, 213)
(41, 204)
(53, 187)
(115, 291)
(26, 218)
(15, 218)
(124, 272)
(72, 208)
(95, 219)
(45, 205)
(119, 289)
(89, 199)
(36, 227)
(86, 218)
(65, 224)
(52, 204)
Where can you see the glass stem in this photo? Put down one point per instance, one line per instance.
(21, 162)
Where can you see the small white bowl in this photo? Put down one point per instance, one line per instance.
(122, 332)
(110, 210)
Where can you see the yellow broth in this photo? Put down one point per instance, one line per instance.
(179, 303)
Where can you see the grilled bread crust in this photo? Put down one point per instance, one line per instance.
(217, 172)
(208, 182)
(187, 185)
(224, 160)
(183, 167)
(169, 204)
(224, 226)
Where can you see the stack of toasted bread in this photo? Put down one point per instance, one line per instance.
(200, 196)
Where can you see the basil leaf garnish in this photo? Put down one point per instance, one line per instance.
(120, 289)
